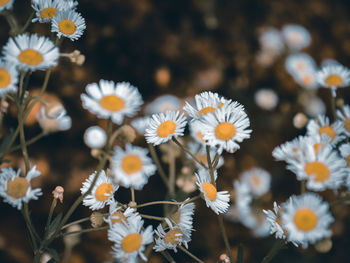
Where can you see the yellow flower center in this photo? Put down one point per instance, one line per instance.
(318, 146)
(49, 12)
(31, 57)
(348, 160)
(166, 128)
(327, 130)
(112, 103)
(103, 191)
(3, 2)
(307, 80)
(334, 80)
(225, 131)
(5, 78)
(317, 169)
(346, 123)
(210, 191)
(131, 164)
(67, 27)
(118, 217)
(131, 242)
(305, 219)
(206, 110)
(17, 188)
(172, 235)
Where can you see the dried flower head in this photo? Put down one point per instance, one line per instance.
(58, 193)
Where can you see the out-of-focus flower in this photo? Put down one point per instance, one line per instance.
(102, 192)
(296, 37)
(31, 52)
(69, 24)
(58, 193)
(217, 201)
(163, 104)
(299, 63)
(107, 99)
(164, 126)
(306, 219)
(73, 239)
(8, 77)
(258, 180)
(16, 189)
(132, 167)
(300, 120)
(162, 76)
(313, 105)
(96, 219)
(266, 99)
(126, 133)
(225, 128)
(95, 137)
(129, 240)
(345, 152)
(6, 4)
(271, 40)
(140, 124)
(61, 122)
(344, 115)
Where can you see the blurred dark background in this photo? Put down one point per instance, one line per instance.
(179, 47)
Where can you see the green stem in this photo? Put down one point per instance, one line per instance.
(211, 169)
(333, 107)
(190, 254)
(280, 243)
(172, 173)
(52, 208)
(167, 256)
(28, 22)
(76, 222)
(224, 236)
(168, 202)
(29, 142)
(29, 226)
(152, 217)
(132, 191)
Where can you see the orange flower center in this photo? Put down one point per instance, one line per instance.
(112, 103)
(49, 12)
(327, 130)
(209, 190)
(166, 128)
(307, 80)
(30, 57)
(172, 235)
(255, 180)
(131, 164)
(317, 169)
(103, 192)
(67, 27)
(17, 188)
(334, 80)
(3, 2)
(225, 131)
(305, 219)
(5, 78)
(206, 110)
(131, 242)
(200, 136)
(318, 146)
(348, 160)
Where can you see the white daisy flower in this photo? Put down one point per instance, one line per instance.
(306, 219)
(266, 99)
(313, 105)
(112, 100)
(322, 126)
(345, 152)
(8, 77)
(164, 126)
(344, 115)
(225, 128)
(6, 4)
(195, 131)
(45, 10)
(289, 150)
(274, 219)
(70, 4)
(307, 80)
(200, 152)
(141, 124)
(117, 216)
(183, 217)
(170, 237)
(207, 102)
(95, 137)
(258, 180)
(130, 241)
(16, 189)
(132, 167)
(162, 104)
(298, 63)
(69, 24)
(102, 192)
(263, 227)
(333, 76)
(321, 167)
(296, 37)
(271, 39)
(217, 201)
(31, 52)
(61, 122)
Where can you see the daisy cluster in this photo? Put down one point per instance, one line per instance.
(320, 160)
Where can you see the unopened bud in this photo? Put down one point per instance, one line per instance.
(53, 110)
(80, 60)
(224, 258)
(300, 120)
(96, 219)
(126, 133)
(324, 245)
(58, 193)
(132, 204)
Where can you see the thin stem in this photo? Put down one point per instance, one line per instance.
(333, 107)
(188, 152)
(172, 173)
(160, 169)
(279, 244)
(152, 217)
(29, 142)
(167, 256)
(216, 160)
(303, 186)
(28, 22)
(23, 141)
(190, 254)
(223, 233)
(29, 225)
(76, 222)
(52, 208)
(168, 202)
(132, 190)
(340, 201)
(211, 169)
(84, 231)
(12, 21)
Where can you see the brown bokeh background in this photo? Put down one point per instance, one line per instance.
(179, 47)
